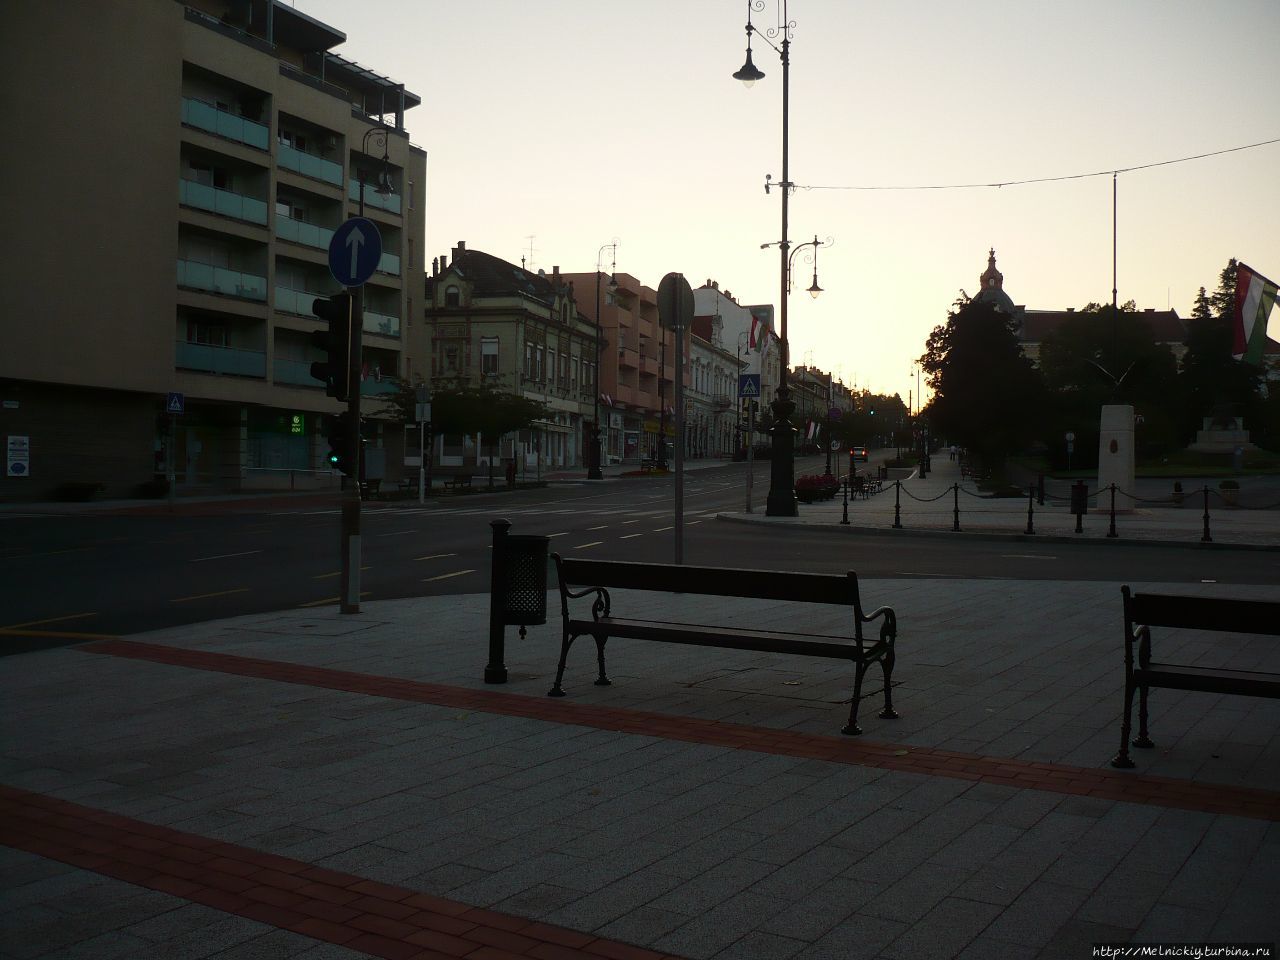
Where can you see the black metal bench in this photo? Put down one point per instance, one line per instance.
(457, 483)
(596, 576)
(1142, 611)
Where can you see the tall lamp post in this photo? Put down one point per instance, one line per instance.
(595, 457)
(781, 501)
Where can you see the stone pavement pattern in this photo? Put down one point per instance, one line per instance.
(702, 806)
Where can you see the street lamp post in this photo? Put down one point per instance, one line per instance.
(782, 499)
(594, 455)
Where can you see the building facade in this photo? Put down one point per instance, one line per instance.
(489, 322)
(194, 160)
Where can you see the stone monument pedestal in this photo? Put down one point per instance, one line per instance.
(1116, 457)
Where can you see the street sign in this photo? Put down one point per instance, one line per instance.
(19, 453)
(354, 251)
(748, 385)
(834, 413)
(174, 403)
(836, 445)
(675, 301)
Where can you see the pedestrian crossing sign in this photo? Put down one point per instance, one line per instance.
(748, 385)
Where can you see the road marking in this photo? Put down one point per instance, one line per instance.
(690, 523)
(628, 536)
(1024, 556)
(336, 573)
(603, 526)
(661, 529)
(583, 546)
(446, 576)
(437, 556)
(205, 596)
(226, 556)
(398, 533)
(36, 623)
(637, 520)
(562, 533)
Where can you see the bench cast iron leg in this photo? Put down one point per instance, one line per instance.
(1122, 760)
(853, 729)
(602, 680)
(886, 664)
(565, 644)
(1143, 740)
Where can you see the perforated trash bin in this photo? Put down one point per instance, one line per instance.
(524, 580)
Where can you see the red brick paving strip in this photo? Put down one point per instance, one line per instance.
(340, 908)
(1055, 778)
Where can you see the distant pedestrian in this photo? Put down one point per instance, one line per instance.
(953, 451)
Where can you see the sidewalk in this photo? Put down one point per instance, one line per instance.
(930, 505)
(306, 784)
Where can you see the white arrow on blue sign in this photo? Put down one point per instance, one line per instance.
(354, 251)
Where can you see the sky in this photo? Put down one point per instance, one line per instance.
(553, 127)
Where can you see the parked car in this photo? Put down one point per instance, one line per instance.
(858, 453)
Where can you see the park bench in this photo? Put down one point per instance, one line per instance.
(1142, 611)
(595, 577)
(458, 482)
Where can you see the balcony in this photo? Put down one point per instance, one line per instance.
(228, 283)
(628, 359)
(377, 388)
(309, 165)
(293, 372)
(203, 116)
(372, 198)
(307, 234)
(207, 358)
(222, 202)
(390, 263)
(381, 323)
(721, 401)
(289, 300)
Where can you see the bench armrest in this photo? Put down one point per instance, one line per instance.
(599, 606)
(888, 629)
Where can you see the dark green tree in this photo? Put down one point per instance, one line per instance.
(987, 396)
(1101, 356)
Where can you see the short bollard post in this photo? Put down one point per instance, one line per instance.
(1111, 531)
(1040, 490)
(897, 504)
(845, 521)
(1031, 499)
(955, 517)
(496, 670)
(1205, 538)
(1079, 503)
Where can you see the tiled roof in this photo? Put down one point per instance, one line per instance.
(491, 276)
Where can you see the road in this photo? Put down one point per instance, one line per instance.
(69, 577)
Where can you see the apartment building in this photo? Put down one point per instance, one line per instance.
(182, 168)
(637, 364)
(489, 322)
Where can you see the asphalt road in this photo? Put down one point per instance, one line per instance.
(65, 578)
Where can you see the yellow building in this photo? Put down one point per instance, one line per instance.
(180, 169)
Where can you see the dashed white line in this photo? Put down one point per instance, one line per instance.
(446, 576)
(226, 556)
(583, 546)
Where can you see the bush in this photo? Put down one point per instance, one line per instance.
(816, 487)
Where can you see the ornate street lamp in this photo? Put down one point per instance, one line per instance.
(781, 501)
(594, 454)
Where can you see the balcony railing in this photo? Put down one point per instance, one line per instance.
(374, 388)
(309, 165)
(381, 323)
(390, 263)
(372, 198)
(204, 116)
(228, 283)
(293, 372)
(289, 300)
(222, 202)
(225, 360)
(307, 234)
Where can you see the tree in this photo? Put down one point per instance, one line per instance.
(1214, 384)
(1100, 356)
(987, 396)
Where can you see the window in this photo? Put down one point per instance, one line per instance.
(201, 331)
(409, 195)
(489, 356)
(452, 297)
(451, 359)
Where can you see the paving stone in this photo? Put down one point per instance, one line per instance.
(859, 938)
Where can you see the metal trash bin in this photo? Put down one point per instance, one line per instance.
(517, 591)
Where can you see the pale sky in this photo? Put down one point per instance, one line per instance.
(563, 124)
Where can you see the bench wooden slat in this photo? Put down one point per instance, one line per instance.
(735, 638)
(1203, 613)
(713, 581)
(1178, 676)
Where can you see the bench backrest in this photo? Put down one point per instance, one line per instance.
(710, 581)
(1201, 613)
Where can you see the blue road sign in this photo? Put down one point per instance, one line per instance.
(174, 403)
(354, 251)
(748, 385)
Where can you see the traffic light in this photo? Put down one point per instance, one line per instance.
(342, 443)
(335, 370)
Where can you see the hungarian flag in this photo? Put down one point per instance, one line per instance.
(756, 330)
(1255, 296)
